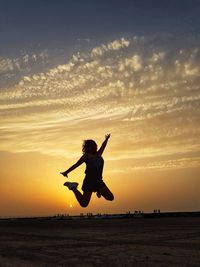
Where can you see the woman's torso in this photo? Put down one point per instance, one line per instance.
(94, 166)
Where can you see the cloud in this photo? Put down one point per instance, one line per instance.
(134, 63)
(146, 92)
(112, 46)
(13, 69)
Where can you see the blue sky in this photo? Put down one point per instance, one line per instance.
(26, 24)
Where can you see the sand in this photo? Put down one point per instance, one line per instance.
(106, 242)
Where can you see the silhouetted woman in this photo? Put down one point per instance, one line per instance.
(93, 181)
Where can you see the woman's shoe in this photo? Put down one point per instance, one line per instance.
(71, 185)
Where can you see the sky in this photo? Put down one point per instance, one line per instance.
(76, 70)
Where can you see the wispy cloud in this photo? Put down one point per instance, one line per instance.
(145, 91)
(13, 69)
(112, 46)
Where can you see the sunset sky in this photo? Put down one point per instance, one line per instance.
(73, 70)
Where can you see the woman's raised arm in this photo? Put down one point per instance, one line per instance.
(101, 149)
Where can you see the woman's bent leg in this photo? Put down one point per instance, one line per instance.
(106, 193)
(83, 199)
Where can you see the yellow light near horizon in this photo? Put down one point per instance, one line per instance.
(70, 205)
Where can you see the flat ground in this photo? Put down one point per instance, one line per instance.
(106, 242)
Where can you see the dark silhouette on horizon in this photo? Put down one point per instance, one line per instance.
(93, 181)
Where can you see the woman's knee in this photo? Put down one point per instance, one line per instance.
(85, 199)
(84, 204)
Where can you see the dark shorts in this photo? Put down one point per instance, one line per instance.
(92, 185)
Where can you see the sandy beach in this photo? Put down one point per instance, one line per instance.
(111, 242)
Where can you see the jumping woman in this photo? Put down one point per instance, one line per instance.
(93, 181)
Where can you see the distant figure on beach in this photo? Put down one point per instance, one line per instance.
(93, 181)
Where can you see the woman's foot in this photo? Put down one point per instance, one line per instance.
(70, 185)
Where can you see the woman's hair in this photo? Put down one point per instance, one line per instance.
(87, 145)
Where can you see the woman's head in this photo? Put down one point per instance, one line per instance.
(89, 146)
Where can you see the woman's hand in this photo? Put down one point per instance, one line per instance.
(64, 174)
(107, 136)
